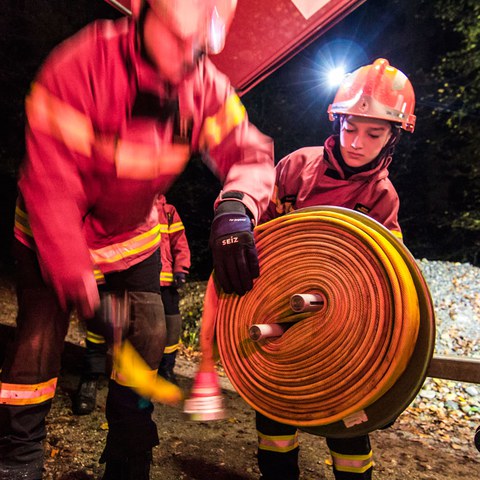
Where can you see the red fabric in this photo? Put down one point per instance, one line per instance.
(73, 197)
(174, 248)
(304, 180)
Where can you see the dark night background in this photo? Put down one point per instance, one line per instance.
(435, 170)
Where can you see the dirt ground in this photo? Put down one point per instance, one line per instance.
(420, 446)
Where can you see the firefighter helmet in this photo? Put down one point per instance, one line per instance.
(206, 20)
(376, 91)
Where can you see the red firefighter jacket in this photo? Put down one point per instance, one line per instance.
(103, 140)
(174, 249)
(312, 176)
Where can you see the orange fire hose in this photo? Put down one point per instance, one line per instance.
(333, 368)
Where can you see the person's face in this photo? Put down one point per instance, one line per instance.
(173, 56)
(362, 139)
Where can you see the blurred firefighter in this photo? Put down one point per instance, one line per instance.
(113, 117)
(175, 268)
(370, 108)
(175, 258)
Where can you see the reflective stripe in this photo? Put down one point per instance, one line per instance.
(171, 348)
(22, 229)
(164, 228)
(166, 276)
(141, 161)
(50, 115)
(98, 275)
(95, 338)
(17, 394)
(105, 255)
(217, 127)
(397, 234)
(277, 443)
(21, 221)
(176, 227)
(117, 251)
(352, 463)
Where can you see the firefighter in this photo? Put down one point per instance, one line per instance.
(113, 116)
(175, 265)
(371, 107)
(175, 268)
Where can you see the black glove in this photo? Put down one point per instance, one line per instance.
(235, 259)
(179, 279)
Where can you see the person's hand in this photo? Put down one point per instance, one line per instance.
(79, 293)
(179, 279)
(235, 259)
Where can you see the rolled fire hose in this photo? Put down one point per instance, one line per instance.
(353, 360)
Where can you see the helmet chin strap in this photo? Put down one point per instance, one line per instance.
(389, 148)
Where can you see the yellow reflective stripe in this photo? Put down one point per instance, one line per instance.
(352, 463)
(277, 443)
(20, 394)
(146, 161)
(166, 276)
(50, 115)
(98, 275)
(176, 227)
(163, 228)
(117, 251)
(171, 348)
(95, 338)
(21, 221)
(217, 127)
(397, 234)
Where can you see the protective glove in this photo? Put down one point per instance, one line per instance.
(235, 258)
(179, 279)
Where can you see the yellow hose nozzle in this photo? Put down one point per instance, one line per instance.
(132, 371)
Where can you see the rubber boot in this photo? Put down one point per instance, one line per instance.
(134, 467)
(477, 439)
(85, 398)
(166, 367)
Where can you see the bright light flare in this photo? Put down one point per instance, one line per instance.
(335, 76)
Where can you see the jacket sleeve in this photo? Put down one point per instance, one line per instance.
(58, 141)
(236, 151)
(178, 242)
(287, 177)
(386, 208)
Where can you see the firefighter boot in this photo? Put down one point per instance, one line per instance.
(166, 367)
(133, 467)
(85, 398)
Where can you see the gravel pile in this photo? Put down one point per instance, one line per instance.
(455, 290)
(446, 410)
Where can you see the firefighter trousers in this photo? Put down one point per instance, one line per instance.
(94, 360)
(33, 359)
(278, 451)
